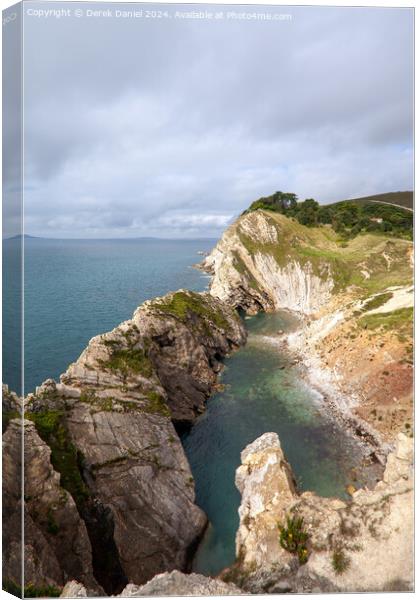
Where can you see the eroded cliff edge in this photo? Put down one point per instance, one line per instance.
(355, 298)
(101, 447)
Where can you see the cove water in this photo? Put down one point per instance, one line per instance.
(264, 392)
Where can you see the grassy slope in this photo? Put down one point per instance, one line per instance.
(321, 246)
(403, 199)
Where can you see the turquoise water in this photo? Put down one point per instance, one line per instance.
(76, 289)
(263, 392)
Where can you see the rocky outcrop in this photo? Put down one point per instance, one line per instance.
(109, 424)
(255, 266)
(56, 541)
(166, 584)
(267, 488)
(365, 544)
(11, 406)
(180, 584)
(172, 347)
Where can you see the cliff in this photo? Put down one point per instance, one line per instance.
(355, 298)
(105, 436)
(365, 544)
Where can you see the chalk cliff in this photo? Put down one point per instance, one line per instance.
(355, 300)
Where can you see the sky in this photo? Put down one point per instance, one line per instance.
(171, 127)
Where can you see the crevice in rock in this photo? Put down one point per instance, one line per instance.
(106, 563)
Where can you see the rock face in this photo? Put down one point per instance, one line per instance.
(254, 267)
(165, 584)
(355, 300)
(109, 424)
(365, 544)
(179, 584)
(266, 484)
(56, 541)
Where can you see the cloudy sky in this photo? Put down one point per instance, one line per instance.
(171, 127)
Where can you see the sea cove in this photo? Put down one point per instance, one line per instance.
(264, 391)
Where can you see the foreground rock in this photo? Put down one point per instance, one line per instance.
(109, 425)
(362, 545)
(166, 584)
(179, 584)
(56, 541)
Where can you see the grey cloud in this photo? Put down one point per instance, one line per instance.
(171, 128)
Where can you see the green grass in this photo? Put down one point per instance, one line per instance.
(340, 562)
(404, 199)
(31, 590)
(186, 304)
(65, 457)
(377, 301)
(399, 321)
(128, 361)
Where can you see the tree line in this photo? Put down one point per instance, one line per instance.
(348, 218)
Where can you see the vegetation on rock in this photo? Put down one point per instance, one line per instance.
(183, 304)
(293, 538)
(31, 590)
(65, 458)
(340, 561)
(399, 321)
(128, 361)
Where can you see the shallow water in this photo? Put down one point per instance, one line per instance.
(264, 392)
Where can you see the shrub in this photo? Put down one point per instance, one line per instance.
(340, 561)
(293, 538)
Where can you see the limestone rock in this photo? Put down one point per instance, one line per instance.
(179, 584)
(266, 484)
(10, 401)
(74, 589)
(372, 535)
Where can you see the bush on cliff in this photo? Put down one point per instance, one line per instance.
(293, 538)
